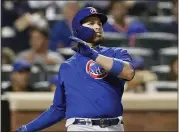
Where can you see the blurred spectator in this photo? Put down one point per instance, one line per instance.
(141, 77)
(44, 3)
(20, 77)
(18, 17)
(117, 21)
(39, 53)
(62, 29)
(143, 8)
(172, 27)
(12, 10)
(8, 56)
(53, 83)
(51, 8)
(101, 6)
(30, 20)
(173, 76)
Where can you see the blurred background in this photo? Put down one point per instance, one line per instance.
(34, 40)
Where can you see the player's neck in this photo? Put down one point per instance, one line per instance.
(90, 45)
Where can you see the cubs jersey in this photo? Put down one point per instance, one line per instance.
(89, 90)
(85, 90)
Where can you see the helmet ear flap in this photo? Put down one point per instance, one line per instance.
(84, 33)
(75, 33)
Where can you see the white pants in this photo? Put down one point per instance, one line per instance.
(71, 127)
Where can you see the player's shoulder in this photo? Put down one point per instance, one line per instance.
(115, 49)
(67, 63)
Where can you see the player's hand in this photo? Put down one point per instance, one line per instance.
(84, 49)
(21, 129)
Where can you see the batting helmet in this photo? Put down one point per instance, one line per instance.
(80, 31)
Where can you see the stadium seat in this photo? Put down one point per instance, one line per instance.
(52, 70)
(155, 41)
(147, 54)
(164, 8)
(4, 86)
(7, 34)
(112, 39)
(66, 52)
(157, 23)
(53, 18)
(37, 74)
(161, 86)
(5, 72)
(167, 55)
(162, 71)
(41, 86)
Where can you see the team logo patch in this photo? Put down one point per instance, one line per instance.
(95, 70)
(93, 10)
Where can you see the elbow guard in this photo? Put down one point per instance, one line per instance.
(117, 67)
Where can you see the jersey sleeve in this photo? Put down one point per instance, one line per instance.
(54, 114)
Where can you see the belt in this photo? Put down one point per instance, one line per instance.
(103, 122)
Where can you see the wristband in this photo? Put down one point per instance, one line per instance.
(117, 67)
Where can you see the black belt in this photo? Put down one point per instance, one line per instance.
(103, 122)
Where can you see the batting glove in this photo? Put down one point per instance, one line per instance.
(22, 129)
(84, 49)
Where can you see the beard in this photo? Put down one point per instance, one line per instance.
(96, 40)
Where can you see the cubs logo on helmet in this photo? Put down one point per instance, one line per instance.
(93, 10)
(95, 70)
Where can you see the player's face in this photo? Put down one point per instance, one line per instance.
(95, 23)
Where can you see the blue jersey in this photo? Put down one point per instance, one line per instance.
(85, 90)
(89, 90)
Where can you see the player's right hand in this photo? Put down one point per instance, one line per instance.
(21, 129)
(84, 49)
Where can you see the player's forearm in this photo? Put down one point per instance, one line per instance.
(46, 119)
(118, 67)
(105, 62)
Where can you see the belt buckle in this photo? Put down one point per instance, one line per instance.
(101, 124)
(89, 122)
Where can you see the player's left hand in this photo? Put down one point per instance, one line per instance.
(84, 49)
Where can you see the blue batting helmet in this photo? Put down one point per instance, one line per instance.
(81, 32)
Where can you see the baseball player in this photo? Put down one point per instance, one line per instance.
(90, 83)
